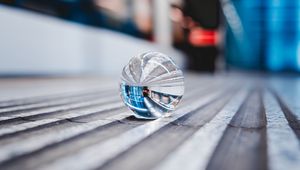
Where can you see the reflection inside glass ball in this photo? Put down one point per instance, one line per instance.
(151, 85)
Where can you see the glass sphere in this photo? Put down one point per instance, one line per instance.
(151, 85)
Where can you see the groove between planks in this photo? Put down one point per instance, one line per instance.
(244, 140)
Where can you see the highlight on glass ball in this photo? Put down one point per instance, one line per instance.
(151, 85)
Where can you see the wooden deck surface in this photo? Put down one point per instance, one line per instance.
(234, 122)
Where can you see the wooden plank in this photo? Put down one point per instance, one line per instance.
(23, 91)
(251, 114)
(199, 148)
(244, 140)
(57, 101)
(283, 145)
(71, 115)
(288, 94)
(30, 144)
(60, 109)
(45, 155)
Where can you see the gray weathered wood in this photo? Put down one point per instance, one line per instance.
(199, 148)
(233, 121)
(119, 144)
(283, 146)
(243, 145)
(167, 139)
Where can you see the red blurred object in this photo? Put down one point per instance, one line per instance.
(203, 37)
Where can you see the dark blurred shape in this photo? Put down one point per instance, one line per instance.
(205, 12)
(201, 21)
(269, 36)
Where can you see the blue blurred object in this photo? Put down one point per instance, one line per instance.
(243, 43)
(283, 30)
(269, 37)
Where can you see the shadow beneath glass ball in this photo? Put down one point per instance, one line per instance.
(133, 118)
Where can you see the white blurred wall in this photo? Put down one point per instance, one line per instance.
(31, 43)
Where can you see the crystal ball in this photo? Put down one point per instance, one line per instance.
(151, 85)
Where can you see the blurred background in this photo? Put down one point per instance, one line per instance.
(62, 37)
